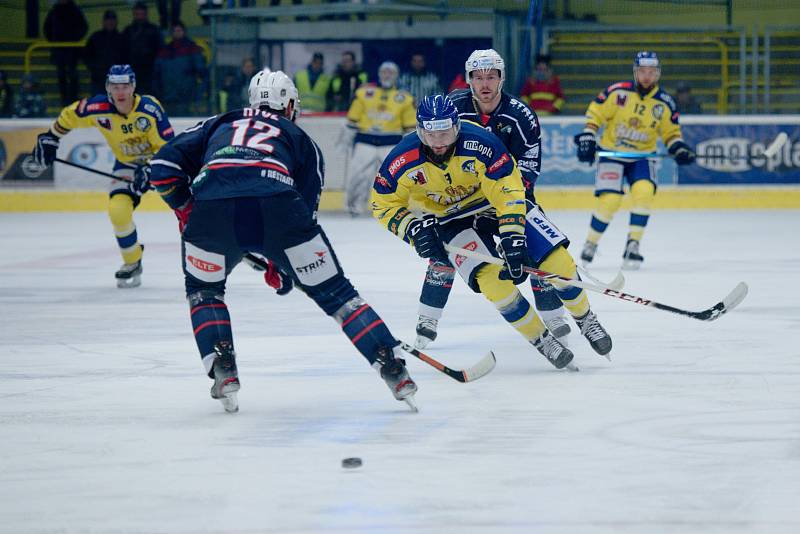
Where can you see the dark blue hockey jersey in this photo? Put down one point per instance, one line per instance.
(243, 153)
(515, 124)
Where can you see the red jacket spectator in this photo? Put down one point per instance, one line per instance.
(543, 90)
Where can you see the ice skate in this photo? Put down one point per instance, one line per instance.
(631, 259)
(595, 334)
(559, 327)
(394, 373)
(556, 353)
(226, 377)
(588, 252)
(129, 275)
(426, 331)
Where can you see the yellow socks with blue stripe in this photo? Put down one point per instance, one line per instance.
(120, 211)
(607, 205)
(510, 302)
(642, 194)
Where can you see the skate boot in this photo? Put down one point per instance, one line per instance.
(129, 275)
(226, 377)
(552, 349)
(588, 252)
(595, 334)
(631, 259)
(559, 327)
(394, 373)
(426, 331)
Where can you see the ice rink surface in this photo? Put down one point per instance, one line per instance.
(106, 424)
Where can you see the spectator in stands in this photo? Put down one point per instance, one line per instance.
(165, 18)
(247, 70)
(228, 94)
(104, 48)
(418, 81)
(458, 83)
(542, 91)
(29, 103)
(313, 84)
(65, 23)
(687, 105)
(180, 74)
(347, 78)
(143, 40)
(6, 96)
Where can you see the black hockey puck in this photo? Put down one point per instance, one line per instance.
(351, 463)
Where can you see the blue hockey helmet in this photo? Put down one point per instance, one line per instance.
(121, 74)
(646, 59)
(438, 125)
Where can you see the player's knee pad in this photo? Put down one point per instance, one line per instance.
(211, 323)
(574, 298)
(365, 329)
(607, 205)
(509, 302)
(469, 268)
(642, 194)
(120, 211)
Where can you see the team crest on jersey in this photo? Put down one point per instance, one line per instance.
(399, 97)
(104, 122)
(658, 111)
(418, 176)
(142, 124)
(621, 99)
(469, 167)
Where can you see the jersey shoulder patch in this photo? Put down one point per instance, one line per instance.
(150, 106)
(665, 97)
(406, 154)
(618, 86)
(93, 106)
(476, 142)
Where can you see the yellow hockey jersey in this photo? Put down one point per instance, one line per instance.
(133, 139)
(632, 122)
(479, 176)
(376, 111)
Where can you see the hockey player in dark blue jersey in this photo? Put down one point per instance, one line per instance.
(249, 181)
(517, 126)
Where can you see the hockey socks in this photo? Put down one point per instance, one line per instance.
(510, 302)
(211, 324)
(364, 328)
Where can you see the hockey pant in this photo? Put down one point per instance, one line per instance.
(121, 203)
(361, 170)
(611, 175)
(280, 227)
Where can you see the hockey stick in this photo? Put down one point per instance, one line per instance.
(770, 151)
(730, 301)
(482, 368)
(95, 171)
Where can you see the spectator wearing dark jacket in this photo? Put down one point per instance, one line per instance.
(142, 40)
(6, 96)
(65, 23)
(347, 78)
(29, 103)
(104, 48)
(180, 74)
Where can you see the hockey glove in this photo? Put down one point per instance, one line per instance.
(682, 153)
(587, 147)
(275, 278)
(424, 235)
(141, 180)
(514, 250)
(44, 154)
(183, 214)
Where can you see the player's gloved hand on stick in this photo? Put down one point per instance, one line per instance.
(682, 153)
(587, 147)
(44, 153)
(275, 278)
(424, 235)
(141, 180)
(183, 213)
(513, 248)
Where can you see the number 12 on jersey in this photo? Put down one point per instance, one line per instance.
(244, 134)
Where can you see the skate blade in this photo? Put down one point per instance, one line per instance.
(230, 402)
(606, 356)
(631, 265)
(572, 367)
(129, 283)
(421, 342)
(411, 403)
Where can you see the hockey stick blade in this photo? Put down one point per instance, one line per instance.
(732, 300)
(482, 368)
(616, 284)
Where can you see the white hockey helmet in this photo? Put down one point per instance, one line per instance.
(388, 73)
(485, 60)
(273, 89)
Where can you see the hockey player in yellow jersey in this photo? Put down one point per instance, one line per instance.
(632, 115)
(454, 182)
(377, 120)
(135, 127)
